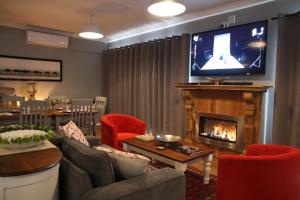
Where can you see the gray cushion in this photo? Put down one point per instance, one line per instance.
(124, 166)
(97, 164)
(58, 139)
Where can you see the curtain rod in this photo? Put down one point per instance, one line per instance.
(288, 15)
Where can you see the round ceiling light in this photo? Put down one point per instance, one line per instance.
(91, 31)
(166, 8)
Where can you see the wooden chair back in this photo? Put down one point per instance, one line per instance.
(100, 105)
(99, 108)
(58, 101)
(81, 114)
(11, 103)
(34, 112)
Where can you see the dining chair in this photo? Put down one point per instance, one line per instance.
(35, 112)
(100, 104)
(11, 103)
(58, 101)
(81, 114)
(99, 108)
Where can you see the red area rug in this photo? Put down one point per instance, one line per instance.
(195, 188)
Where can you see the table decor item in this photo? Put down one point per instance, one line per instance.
(145, 138)
(17, 136)
(168, 138)
(187, 149)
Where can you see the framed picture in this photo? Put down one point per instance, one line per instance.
(33, 69)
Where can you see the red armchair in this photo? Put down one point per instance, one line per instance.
(266, 172)
(115, 128)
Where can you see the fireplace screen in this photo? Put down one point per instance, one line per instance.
(219, 129)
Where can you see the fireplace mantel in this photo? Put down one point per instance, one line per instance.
(250, 88)
(235, 100)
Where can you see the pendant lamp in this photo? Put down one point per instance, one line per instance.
(166, 8)
(91, 31)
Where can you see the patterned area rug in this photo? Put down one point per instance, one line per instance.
(195, 188)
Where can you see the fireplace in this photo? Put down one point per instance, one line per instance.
(221, 130)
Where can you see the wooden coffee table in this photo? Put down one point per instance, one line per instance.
(179, 160)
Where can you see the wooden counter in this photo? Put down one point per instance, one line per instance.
(29, 162)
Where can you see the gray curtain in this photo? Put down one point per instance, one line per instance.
(142, 80)
(286, 129)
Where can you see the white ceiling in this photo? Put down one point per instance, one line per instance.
(114, 17)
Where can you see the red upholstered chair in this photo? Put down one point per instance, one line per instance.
(266, 172)
(115, 128)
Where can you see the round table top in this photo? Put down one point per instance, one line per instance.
(29, 162)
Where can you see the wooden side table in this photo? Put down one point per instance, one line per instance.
(30, 175)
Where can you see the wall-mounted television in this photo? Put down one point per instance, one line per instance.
(236, 50)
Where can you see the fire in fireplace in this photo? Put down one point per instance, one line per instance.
(218, 129)
(221, 130)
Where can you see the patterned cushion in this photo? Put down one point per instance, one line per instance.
(128, 164)
(72, 131)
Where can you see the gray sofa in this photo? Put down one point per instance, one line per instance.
(88, 174)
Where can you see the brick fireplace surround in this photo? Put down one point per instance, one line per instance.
(231, 100)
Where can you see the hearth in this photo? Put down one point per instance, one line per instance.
(221, 130)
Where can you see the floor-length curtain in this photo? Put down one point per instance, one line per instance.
(142, 80)
(286, 129)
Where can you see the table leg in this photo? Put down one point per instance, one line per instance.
(207, 164)
(181, 167)
(125, 147)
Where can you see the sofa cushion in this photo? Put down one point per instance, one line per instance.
(97, 164)
(126, 165)
(72, 131)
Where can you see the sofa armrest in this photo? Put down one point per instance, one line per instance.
(73, 181)
(93, 141)
(163, 184)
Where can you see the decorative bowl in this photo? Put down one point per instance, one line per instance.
(168, 138)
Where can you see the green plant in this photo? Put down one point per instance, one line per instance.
(46, 134)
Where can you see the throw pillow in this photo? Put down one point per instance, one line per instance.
(72, 131)
(129, 164)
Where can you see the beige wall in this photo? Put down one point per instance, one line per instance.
(81, 65)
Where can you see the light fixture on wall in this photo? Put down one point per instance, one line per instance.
(166, 8)
(91, 31)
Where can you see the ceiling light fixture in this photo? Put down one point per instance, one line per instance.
(91, 31)
(166, 8)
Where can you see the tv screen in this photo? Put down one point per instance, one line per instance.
(237, 50)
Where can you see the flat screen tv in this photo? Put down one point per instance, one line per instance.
(236, 50)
